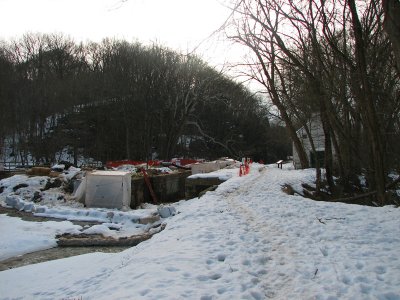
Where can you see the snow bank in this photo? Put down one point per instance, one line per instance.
(20, 237)
(36, 182)
(28, 189)
(52, 203)
(96, 214)
(222, 174)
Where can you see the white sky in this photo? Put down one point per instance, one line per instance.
(178, 24)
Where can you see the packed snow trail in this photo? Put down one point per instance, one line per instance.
(262, 242)
(246, 240)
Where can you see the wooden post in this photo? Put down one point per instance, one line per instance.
(148, 183)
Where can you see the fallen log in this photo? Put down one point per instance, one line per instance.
(356, 197)
(368, 194)
(99, 240)
(88, 240)
(39, 171)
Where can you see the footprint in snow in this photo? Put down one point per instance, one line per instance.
(215, 276)
(209, 261)
(246, 262)
(262, 260)
(380, 270)
(222, 290)
(324, 251)
(202, 278)
(221, 257)
(359, 265)
(144, 292)
(172, 269)
(346, 280)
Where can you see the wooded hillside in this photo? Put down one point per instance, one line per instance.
(119, 100)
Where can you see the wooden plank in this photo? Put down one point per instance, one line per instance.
(148, 183)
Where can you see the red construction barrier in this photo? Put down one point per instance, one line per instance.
(244, 168)
(117, 163)
(152, 163)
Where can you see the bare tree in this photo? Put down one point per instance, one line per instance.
(258, 27)
(300, 49)
(391, 24)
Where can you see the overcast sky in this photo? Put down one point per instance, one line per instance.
(178, 24)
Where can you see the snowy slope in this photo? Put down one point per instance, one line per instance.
(246, 240)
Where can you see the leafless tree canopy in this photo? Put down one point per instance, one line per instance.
(330, 58)
(119, 100)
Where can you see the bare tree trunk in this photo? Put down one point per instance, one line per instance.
(328, 146)
(271, 86)
(391, 25)
(127, 135)
(368, 109)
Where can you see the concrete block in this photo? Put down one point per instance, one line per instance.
(205, 167)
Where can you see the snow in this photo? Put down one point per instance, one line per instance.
(222, 174)
(95, 214)
(70, 173)
(127, 168)
(36, 182)
(245, 240)
(19, 237)
(33, 187)
(58, 167)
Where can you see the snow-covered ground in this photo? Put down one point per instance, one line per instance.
(222, 174)
(19, 237)
(245, 240)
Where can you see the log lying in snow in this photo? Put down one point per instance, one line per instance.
(86, 240)
(39, 171)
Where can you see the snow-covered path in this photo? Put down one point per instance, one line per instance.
(316, 249)
(246, 240)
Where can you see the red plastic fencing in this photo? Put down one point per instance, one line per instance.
(244, 168)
